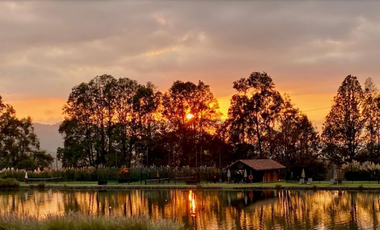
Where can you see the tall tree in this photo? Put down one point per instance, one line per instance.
(89, 123)
(106, 122)
(371, 115)
(184, 99)
(145, 104)
(253, 115)
(297, 143)
(126, 125)
(343, 126)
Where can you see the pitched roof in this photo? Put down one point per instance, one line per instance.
(261, 164)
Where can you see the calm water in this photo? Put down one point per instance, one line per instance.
(210, 209)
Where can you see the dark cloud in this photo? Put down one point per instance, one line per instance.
(47, 47)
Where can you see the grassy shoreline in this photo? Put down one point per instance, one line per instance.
(322, 185)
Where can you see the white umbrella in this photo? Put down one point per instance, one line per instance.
(245, 173)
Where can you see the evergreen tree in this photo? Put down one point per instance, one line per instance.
(343, 126)
(371, 115)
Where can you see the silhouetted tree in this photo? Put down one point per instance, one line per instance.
(108, 122)
(371, 115)
(185, 98)
(343, 126)
(297, 143)
(253, 114)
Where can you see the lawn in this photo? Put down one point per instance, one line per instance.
(205, 185)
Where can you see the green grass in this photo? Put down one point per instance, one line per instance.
(345, 184)
(76, 221)
(109, 183)
(205, 185)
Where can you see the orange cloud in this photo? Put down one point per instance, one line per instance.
(41, 110)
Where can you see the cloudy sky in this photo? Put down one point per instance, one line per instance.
(308, 47)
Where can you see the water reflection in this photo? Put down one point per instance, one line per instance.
(192, 204)
(210, 209)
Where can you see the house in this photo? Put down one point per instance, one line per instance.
(265, 170)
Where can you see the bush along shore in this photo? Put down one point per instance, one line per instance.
(9, 183)
(74, 221)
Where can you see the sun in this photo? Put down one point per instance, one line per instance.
(189, 116)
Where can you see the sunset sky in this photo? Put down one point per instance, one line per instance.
(307, 47)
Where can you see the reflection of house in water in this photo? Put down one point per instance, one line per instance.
(251, 199)
(265, 170)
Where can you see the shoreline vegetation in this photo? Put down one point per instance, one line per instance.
(74, 221)
(318, 185)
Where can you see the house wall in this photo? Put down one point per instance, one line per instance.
(258, 176)
(270, 176)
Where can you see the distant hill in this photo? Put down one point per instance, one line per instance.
(50, 139)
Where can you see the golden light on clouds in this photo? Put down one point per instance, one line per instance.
(161, 51)
(41, 110)
(161, 20)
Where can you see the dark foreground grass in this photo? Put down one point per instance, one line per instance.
(76, 221)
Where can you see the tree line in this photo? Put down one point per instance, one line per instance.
(119, 122)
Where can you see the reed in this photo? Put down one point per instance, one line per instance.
(76, 221)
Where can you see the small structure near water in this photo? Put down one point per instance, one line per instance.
(258, 170)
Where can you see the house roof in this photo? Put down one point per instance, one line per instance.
(260, 164)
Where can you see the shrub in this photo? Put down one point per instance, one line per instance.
(9, 183)
(358, 175)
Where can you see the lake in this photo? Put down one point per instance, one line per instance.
(210, 209)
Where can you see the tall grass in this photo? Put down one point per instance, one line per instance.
(114, 174)
(76, 221)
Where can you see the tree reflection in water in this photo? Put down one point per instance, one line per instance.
(205, 209)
